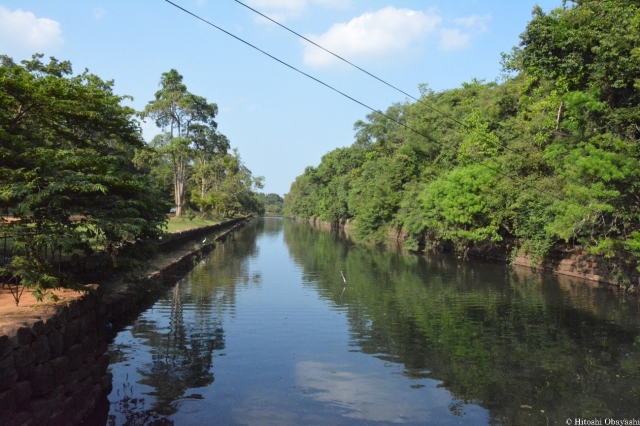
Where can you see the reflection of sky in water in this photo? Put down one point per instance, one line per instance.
(366, 394)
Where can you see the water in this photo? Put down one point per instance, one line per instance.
(263, 331)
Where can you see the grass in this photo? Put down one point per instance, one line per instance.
(183, 222)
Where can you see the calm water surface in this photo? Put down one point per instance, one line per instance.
(263, 331)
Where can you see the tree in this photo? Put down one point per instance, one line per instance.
(236, 190)
(181, 111)
(66, 173)
(272, 203)
(209, 149)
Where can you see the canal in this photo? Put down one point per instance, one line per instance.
(264, 331)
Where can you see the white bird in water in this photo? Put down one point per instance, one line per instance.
(205, 239)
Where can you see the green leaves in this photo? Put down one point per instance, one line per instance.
(66, 170)
(459, 206)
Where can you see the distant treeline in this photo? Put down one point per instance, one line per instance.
(547, 155)
(272, 203)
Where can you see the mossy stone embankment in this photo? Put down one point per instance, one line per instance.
(53, 360)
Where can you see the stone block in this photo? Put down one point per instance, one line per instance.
(43, 379)
(76, 355)
(82, 409)
(74, 309)
(56, 343)
(7, 403)
(91, 323)
(103, 363)
(19, 335)
(106, 383)
(41, 408)
(100, 349)
(63, 312)
(48, 327)
(38, 328)
(8, 373)
(96, 391)
(23, 360)
(72, 386)
(68, 404)
(86, 385)
(6, 345)
(84, 371)
(71, 332)
(57, 394)
(60, 369)
(53, 323)
(59, 417)
(41, 349)
(23, 391)
(22, 419)
(90, 342)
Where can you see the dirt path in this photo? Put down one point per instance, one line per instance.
(30, 309)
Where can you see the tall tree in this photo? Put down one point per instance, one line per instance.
(180, 111)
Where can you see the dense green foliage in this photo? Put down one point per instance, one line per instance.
(548, 155)
(272, 203)
(67, 180)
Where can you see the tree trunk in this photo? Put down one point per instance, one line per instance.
(179, 185)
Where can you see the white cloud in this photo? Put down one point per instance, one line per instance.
(368, 397)
(453, 39)
(387, 33)
(21, 32)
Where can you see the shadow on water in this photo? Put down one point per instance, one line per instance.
(531, 348)
(525, 347)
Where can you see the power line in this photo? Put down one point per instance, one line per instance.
(431, 107)
(304, 73)
(426, 136)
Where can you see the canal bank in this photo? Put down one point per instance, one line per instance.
(53, 361)
(567, 260)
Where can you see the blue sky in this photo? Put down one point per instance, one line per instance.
(281, 121)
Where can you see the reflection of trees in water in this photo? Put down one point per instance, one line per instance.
(498, 337)
(135, 410)
(270, 226)
(182, 352)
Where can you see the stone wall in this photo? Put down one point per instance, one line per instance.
(180, 237)
(53, 361)
(54, 369)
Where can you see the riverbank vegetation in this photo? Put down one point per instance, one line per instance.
(77, 179)
(548, 155)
